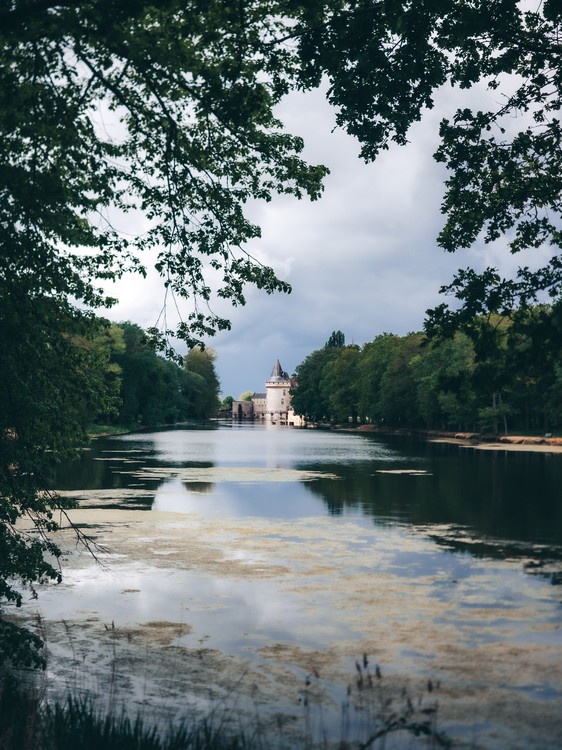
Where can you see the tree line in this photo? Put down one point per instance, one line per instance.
(499, 374)
(146, 389)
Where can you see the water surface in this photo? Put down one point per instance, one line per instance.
(280, 553)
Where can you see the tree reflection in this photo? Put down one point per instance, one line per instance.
(513, 496)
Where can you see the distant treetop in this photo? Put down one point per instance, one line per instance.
(336, 340)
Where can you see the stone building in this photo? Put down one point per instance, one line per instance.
(272, 406)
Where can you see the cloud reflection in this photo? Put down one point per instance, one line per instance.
(237, 499)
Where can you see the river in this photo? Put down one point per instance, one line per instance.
(274, 567)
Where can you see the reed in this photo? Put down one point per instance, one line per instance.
(371, 713)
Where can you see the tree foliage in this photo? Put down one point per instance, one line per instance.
(154, 391)
(337, 339)
(165, 111)
(504, 373)
(55, 378)
(201, 363)
(343, 384)
(226, 403)
(387, 60)
(375, 359)
(311, 397)
(162, 110)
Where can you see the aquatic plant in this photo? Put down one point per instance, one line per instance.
(371, 712)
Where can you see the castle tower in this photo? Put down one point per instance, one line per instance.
(277, 397)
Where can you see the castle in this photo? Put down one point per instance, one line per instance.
(274, 405)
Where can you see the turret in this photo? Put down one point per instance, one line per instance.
(277, 394)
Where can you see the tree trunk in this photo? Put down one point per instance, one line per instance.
(494, 407)
(503, 415)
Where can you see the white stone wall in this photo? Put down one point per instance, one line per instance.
(278, 398)
(294, 419)
(242, 410)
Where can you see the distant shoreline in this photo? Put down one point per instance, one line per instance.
(520, 443)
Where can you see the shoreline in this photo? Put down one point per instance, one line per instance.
(478, 441)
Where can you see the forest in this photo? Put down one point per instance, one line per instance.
(499, 374)
(146, 388)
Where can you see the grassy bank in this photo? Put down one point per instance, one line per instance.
(29, 722)
(104, 430)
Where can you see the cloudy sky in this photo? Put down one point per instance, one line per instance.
(363, 259)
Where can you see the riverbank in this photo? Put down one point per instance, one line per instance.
(476, 440)
(479, 441)
(98, 431)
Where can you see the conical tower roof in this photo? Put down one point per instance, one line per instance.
(278, 374)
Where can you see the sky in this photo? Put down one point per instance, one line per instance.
(363, 259)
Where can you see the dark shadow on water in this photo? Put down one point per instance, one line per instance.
(515, 496)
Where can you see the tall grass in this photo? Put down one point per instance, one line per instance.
(371, 715)
(29, 722)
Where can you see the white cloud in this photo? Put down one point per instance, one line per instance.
(363, 259)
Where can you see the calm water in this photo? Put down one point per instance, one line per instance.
(507, 500)
(287, 544)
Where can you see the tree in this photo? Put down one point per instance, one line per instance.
(344, 384)
(398, 397)
(154, 390)
(187, 137)
(202, 362)
(191, 91)
(337, 340)
(375, 359)
(226, 403)
(530, 357)
(310, 397)
(386, 60)
(54, 382)
(443, 372)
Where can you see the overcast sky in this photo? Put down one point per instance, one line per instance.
(363, 259)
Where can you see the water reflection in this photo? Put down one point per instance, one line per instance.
(284, 545)
(504, 495)
(238, 500)
(495, 495)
